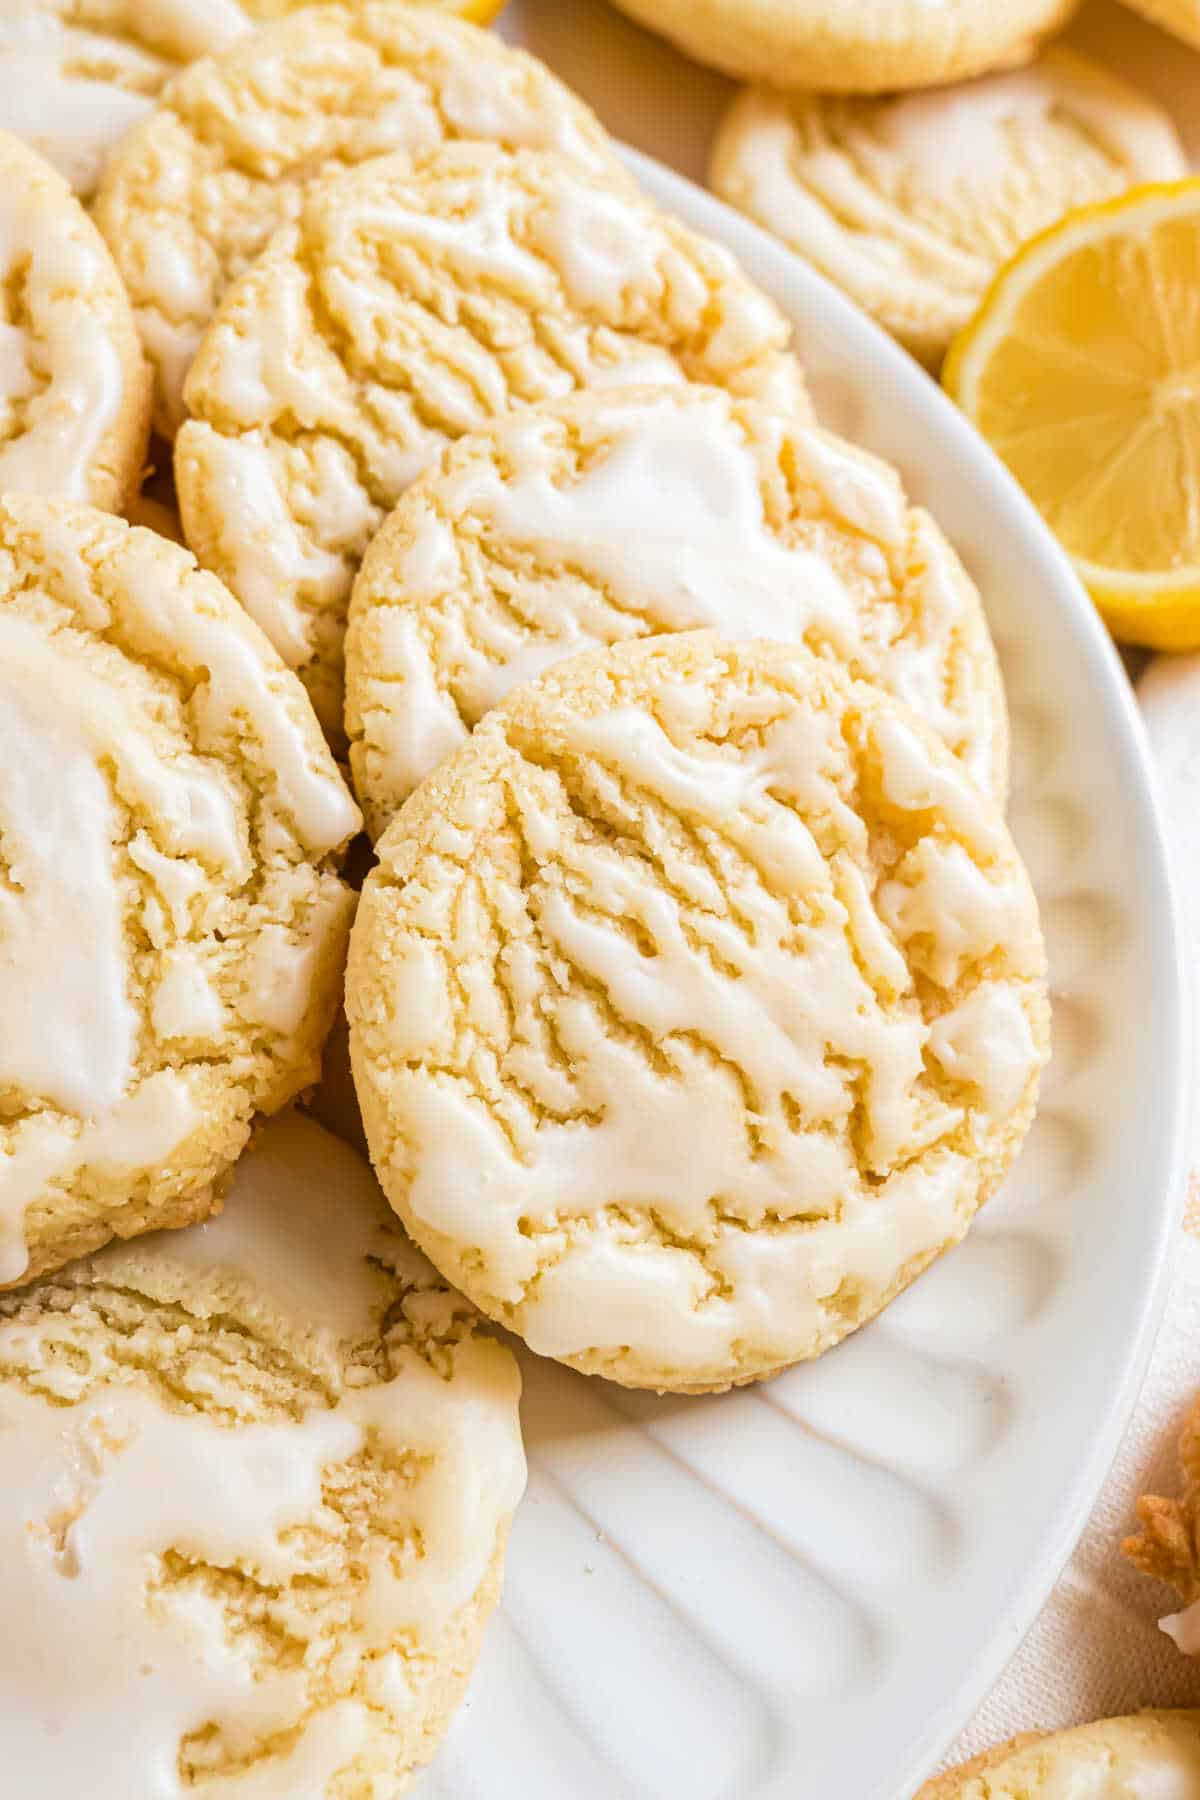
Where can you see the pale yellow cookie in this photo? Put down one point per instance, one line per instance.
(74, 386)
(1181, 17)
(641, 511)
(256, 1479)
(172, 925)
(1168, 1546)
(912, 203)
(855, 46)
(696, 1005)
(196, 190)
(405, 308)
(1144, 1754)
(76, 74)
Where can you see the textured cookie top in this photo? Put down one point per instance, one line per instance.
(170, 918)
(912, 203)
(74, 389)
(76, 74)
(856, 46)
(195, 190)
(1147, 1756)
(406, 308)
(255, 1477)
(695, 1005)
(612, 516)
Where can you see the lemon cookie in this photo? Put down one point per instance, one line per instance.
(1114, 1759)
(257, 1479)
(912, 203)
(854, 46)
(405, 308)
(74, 387)
(1168, 1546)
(695, 1005)
(171, 923)
(613, 516)
(196, 190)
(76, 74)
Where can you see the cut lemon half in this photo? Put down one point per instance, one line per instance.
(1082, 370)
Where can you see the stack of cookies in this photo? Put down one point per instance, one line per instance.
(696, 993)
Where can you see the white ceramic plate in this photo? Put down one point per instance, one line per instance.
(801, 1590)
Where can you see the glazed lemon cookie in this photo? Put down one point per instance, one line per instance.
(912, 203)
(854, 46)
(76, 74)
(171, 922)
(627, 514)
(74, 387)
(1181, 17)
(406, 308)
(198, 187)
(695, 1006)
(257, 1480)
(1168, 1545)
(1114, 1759)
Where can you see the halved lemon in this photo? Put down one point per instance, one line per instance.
(1082, 370)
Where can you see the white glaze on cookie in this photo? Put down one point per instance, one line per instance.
(637, 514)
(641, 960)
(166, 804)
(131, 1520)
(70, 370)
(912, 202)
(77, 74)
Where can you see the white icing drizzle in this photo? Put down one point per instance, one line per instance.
(670, 522)
(774, 1004)
(69, 1031)
(241, 683)
(51, 250)
(72, 92)
(105, 1673)
(142, 1129)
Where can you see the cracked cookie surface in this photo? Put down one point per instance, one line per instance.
(74, 387)
(912, 203)
(77, 74)
(405, 308)
(614, 516)
(1114, 1759)
(258, 1477)
(696, 1005)
(195, 191)
(171, 918)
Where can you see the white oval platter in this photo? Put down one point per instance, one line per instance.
(801, 1590)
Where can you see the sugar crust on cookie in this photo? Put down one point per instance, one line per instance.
(172, 923)
(694, 964)
(405, 308)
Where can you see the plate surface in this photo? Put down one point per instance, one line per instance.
(800, 1591)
